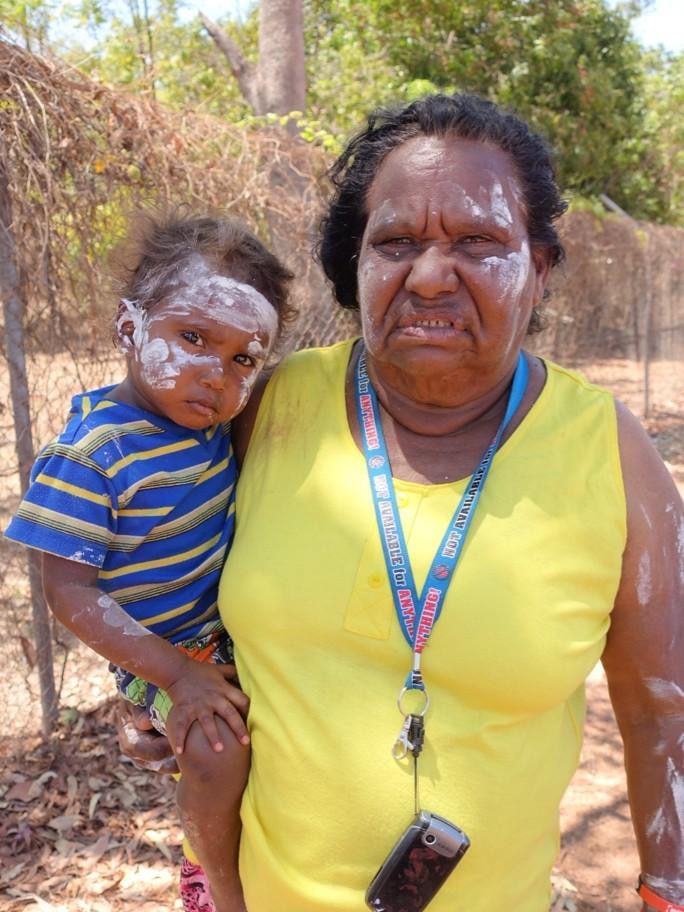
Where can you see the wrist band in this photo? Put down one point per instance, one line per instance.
(657, 902)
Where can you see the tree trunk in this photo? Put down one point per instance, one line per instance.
(281, 71)
(242, 70)
(13, 310)
(278, 83)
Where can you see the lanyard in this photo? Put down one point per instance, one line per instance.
(417, 616)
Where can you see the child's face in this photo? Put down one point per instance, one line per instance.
(194, 357)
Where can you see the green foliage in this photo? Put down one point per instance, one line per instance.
(664, 128)
(571, 68)
(28, 21)
(308, 129)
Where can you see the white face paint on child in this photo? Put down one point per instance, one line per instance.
(195, 356)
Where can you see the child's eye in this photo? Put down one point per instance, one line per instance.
(193, 337)
(245, 360)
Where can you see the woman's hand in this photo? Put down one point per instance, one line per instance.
(142, 744)
(201, 692)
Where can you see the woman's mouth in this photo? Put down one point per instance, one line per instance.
(433, 323)
(431, 327)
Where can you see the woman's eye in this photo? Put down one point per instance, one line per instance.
(193, 337)
(245, 360)
(479, 245)
(396, 246)
(475, 239)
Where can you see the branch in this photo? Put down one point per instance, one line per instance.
(242, 70)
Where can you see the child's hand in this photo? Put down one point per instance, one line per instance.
(201, 692)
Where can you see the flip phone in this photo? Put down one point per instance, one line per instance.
(418, 865)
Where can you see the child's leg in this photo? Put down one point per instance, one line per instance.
(208, 796)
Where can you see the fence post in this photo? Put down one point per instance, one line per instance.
(646, 330)
(13, 309)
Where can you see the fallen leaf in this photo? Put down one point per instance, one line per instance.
(21, 791)
(72, 787)
(68, 847)
(37, 786)
(95, 782)
(64, 822)
(97, 850)
(8, 875)
(93, 804)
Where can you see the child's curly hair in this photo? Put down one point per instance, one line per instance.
(160, 246)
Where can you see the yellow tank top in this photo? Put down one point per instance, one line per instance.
(322, 657)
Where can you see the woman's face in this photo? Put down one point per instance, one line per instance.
(446, 275)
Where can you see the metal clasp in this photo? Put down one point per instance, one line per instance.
(402, 745)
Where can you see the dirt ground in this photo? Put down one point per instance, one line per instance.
(83, 831)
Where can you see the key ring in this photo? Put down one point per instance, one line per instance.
(422, 710)
(402, 745)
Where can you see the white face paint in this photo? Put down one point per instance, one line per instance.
(644, 579)
(512, 270)
(195, 356)
(494, 206)
(647, 518)
(498, 203)
(114, 615)
(256, 348)
(665, 690)
(224, 299)
(447, 277)
(669, 817)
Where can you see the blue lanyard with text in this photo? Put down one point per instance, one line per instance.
(416, 616)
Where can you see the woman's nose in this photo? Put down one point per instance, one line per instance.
(432, 274)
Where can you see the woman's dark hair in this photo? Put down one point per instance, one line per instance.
(161, 246)
(461, 115)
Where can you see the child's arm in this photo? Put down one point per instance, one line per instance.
(199, 691)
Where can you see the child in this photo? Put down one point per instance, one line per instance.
(133, 508)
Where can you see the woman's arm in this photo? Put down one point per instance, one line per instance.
(644, 660)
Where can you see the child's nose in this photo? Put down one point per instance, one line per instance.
(214, 375)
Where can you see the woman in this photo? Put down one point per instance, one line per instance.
(441, 232)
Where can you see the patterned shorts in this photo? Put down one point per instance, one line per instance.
(216, 647)
(194, 889)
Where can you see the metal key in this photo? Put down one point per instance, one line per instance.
(416, 734)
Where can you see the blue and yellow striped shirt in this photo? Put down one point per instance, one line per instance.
(150, 503)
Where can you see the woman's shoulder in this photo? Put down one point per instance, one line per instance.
(319, 358)
(565, 378)
(307, 369)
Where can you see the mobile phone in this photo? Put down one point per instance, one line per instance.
(418, 865)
